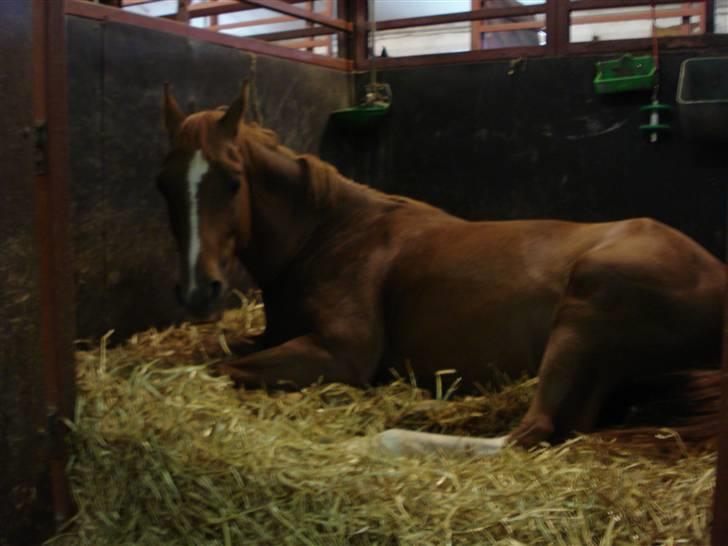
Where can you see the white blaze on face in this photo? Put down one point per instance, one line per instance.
(195, 173)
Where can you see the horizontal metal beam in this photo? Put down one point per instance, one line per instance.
(88, 10)
(308, 44)
(220, 7)
(130, 3)
(577, 5)
(383, 63)
(253, 23)
(507, 27)
(667, 42)
(485, 13)
(293, 34)
(283, 7)
(635, 15)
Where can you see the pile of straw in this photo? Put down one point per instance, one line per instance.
(164, 452)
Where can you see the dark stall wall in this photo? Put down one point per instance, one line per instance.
(498, 141)
(125, 257)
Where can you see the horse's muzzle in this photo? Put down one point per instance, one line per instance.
(204, 301)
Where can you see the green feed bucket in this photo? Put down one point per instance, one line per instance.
(627, 73)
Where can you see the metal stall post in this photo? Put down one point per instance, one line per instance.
(719, 534)
(36, 283)
(53, 236)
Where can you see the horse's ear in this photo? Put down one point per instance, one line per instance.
(173, 115)
(232, 119)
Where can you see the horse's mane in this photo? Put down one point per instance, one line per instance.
(325, 183)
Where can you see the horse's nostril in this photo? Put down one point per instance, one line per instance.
(215, 289)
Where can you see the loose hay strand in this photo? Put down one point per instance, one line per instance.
(163, 452)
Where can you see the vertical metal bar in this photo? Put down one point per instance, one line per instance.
(719, 535)
(214, 19)
(53, 236)
(183, 13)
(360, 34)
(558, 19)
(311, 7)
(344, 40)
(329, 10)
(709, 16)
(475, 27)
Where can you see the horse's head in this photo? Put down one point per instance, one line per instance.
(202, 180)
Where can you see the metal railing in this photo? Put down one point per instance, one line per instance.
(334, 33)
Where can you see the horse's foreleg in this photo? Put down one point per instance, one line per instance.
(298, 362)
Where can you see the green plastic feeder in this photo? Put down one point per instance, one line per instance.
(627, 73)
(361, 116)
(376, 105)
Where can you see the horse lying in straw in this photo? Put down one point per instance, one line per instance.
(355, 281)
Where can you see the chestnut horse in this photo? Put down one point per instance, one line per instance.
(356, 281)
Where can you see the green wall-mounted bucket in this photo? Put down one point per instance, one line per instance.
(627, 73)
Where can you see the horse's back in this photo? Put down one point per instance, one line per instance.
(479, 296)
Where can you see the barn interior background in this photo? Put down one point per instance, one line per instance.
(493, 115)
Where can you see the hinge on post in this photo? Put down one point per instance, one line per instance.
(41, 147)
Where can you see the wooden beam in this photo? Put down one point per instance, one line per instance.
(288, 9)
(485, 13)
(88, 10)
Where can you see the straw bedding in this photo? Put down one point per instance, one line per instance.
(165, 452)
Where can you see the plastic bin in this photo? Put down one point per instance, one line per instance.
(702, 98)
(627, 73)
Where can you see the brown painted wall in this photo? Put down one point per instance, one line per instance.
(125, 259)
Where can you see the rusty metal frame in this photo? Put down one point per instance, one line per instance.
(558, 24)
(220, 7)
(82, 8)
(53, 235)
(719, 535)
(288, 9)
(473, 15)
(351, 26)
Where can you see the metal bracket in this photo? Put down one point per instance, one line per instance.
(41, 147)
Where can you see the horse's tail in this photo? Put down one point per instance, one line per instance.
(684, 402)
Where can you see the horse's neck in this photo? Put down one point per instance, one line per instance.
(285, 212)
